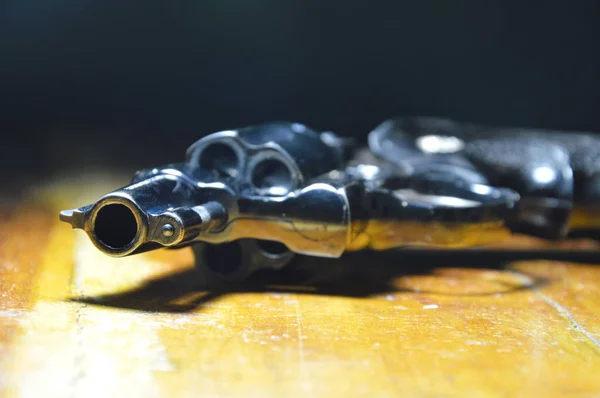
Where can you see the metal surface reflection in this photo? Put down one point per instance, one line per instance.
(254, 197)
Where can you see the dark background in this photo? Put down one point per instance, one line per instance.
(132, 83)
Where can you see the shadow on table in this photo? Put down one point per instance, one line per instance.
(362, 274)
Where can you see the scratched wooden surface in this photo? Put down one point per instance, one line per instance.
(74, 322)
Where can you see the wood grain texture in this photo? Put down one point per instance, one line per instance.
(74, 322)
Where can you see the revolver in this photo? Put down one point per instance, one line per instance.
(258, 196)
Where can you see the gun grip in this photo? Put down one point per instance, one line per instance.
(536, 167)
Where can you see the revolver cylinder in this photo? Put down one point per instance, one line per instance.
(271, 159)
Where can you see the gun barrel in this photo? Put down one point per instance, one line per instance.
(157, 212)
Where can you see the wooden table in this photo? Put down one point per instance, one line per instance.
(76, 323)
